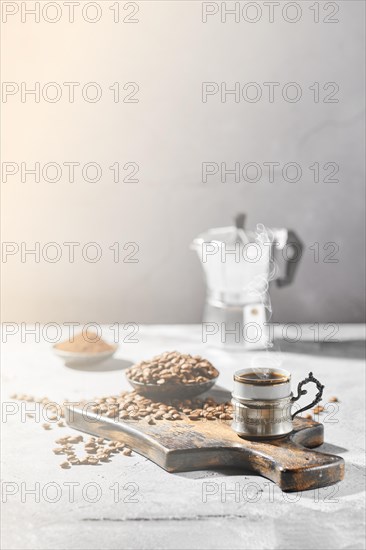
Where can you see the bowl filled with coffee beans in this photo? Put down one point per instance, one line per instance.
(173, 374)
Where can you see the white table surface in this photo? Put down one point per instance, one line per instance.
(169, 510)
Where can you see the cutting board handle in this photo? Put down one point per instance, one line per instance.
(297, 468)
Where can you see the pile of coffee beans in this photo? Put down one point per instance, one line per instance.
(133, 406)
(173, 368)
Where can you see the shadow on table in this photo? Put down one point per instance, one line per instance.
(331, 449)
(108, 365)
(352, 484)
(352, 350)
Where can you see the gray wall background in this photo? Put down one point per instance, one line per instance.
(169, 133)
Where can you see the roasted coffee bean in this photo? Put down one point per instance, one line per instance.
(126, 452)
(58, 451)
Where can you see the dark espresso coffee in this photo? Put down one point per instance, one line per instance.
(259, 378)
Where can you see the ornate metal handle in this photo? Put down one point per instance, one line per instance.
(301, 392)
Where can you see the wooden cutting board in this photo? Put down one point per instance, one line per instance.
(185, 445)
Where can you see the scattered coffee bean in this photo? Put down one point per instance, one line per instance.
(58, 451)
(91, 450)
(69, 452)
(126, 452)
(75, 439)
(104, 458)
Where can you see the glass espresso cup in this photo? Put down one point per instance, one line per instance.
(262, 401)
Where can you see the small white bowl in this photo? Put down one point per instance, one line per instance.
(84, 358)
